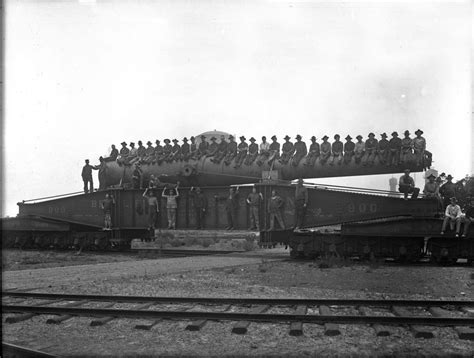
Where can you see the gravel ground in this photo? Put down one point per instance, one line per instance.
(266, 273)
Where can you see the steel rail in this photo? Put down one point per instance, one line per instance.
(233, 316)
(242, 301)
(12, 350)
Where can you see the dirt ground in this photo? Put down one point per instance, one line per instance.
(267, 273)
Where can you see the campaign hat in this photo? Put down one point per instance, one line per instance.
(243, 137)
(395, 134)
(384, 135)
(449, 176)
(192, 138)
(274, 137)
(325, 137)
(337, 136)
(124, 143)
(213, 138)
(419, 131)
(167, 140)
(431, 176)
(371, 134)
(287, 137)
(149, 143)
(175, 140)
(298, 136)
(348, 137)
(313, 138)
(131, 143)
(185, 139)
(359, 136)
(406, 132)
(157, 141)
(231, 136)
(252, 139)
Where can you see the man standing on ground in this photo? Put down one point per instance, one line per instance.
(200, 206)
(254, 199)
(107, 207)
(275, 204)
(153, 208)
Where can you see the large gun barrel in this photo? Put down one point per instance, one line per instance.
(204, 172)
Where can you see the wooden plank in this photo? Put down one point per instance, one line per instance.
(25, 316)
(418, 331)
(197, 325)
(296, 328)
(241, 327)
(65, 317)
(330, 329)
(103, 320)
(463, 332)
(381, 331)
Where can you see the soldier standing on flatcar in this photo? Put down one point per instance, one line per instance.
(275, 204)
(107, 207)
(185, 149)
(231, 152)
(371, 145)
(419, 147)
(113, 154)
(452, 216)
(242, 149)
(314, 152)
(448, 190)
(349, 147)
(274, 150)
(300, 151)
(325, 150)
(394, 146)
(102, 167)
(200, 206)
(359, 150)
(337, 148)
(407, 147)
(87, 177)
(171, 205)
(468, 218)
(253, 200)
(287, 150)
(301, 203)
(431, 190)
(383, 150)
(153, 207)
(253, 152)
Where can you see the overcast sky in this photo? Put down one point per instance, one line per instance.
(80, 76)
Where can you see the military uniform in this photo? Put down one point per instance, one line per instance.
(371, 145)
(221, 151)
(231, 208)
(200, 207)
(301, 203)
(149, 153)
(137, 177)
(407, 148)
(87, 177)
(448, 190)
(419, 147)
(287, 150)
(242, 149)
(167, 149)
(349, 147)
(314, 152)
(383, 150)
(359, 149)
(202, 148)
(264, 151)
(406, 185)
(300, 151)
(175, 151)
(231, 152)
(253, 152)
(254, 200)
(141, 150)
(275, 204)
(192, 149)
(325, 150)
(113, 154)
(124, 152)
(185, 149)
(212, 148)
(394, 146)
(274, 150)
(337, 148)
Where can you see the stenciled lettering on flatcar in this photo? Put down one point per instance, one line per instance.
(63, 210)
(351, 208)
(373, 207)
(50, 209)
(362, 208)
(94, 203)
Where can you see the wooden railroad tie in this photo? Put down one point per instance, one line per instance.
(330, 329)
(296, 328)
(418, 331)
(241, 327)
(25, 316)
(198, 324)
(380, 330)
(65, 317)
(463, 332)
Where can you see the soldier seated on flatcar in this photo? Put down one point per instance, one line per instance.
(406, 185)
(452, 216)
(468, 217)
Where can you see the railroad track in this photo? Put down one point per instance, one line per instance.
(419, 315)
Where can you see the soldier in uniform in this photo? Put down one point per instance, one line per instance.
(407, 148)
(242, 149)
(158, 152)
(107, 205)
(87, 177)
(133, 155)
(192, 148)
(264, 151)
(231, 151)
(167, 149)
(212, 148)
(254, 200)
(274, 150)
(431, 190)
(383, 150)
(349, 147)
(200, 206)
(124, 152)
(394, 146)
(221, 150)
(301, 203)
(171, 205)
(141, 150)
(453, 215)
(231, 207)
(325, 150)
(137, 177)
(419, 147)
(337, 148)
(153, 207)
(448, 190)
(300, 151)
(185, 149)
(313, 152)
(253, 152)
(102, 167)
(371, 145)
(149, 152)
(275, 204)
(113, 154)
(359, 149)
(202, 147)
(287, 150)
(406, 185)
(175, 151)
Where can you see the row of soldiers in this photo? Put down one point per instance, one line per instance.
(390, 152)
